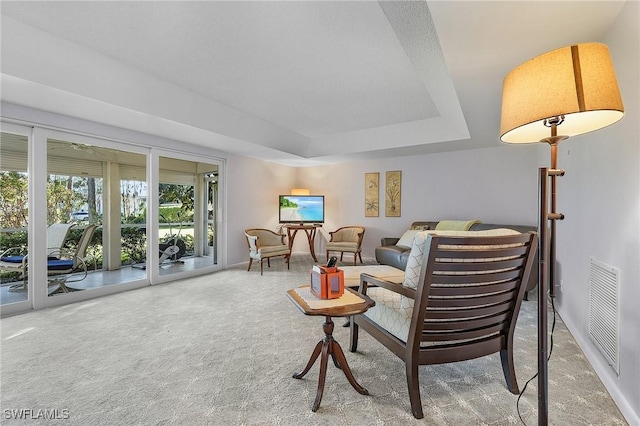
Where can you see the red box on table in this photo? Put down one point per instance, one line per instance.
(327, 283)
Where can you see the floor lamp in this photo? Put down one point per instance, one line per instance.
(559, 94)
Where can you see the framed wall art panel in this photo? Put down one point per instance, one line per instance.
(393, 193)
(371, 194)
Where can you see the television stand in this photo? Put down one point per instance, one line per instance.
(309, 230)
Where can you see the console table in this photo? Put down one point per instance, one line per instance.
(351, 303)
(309, 230)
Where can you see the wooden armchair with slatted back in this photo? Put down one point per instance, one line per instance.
(460, 300)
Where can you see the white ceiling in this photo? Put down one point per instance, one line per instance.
(299, 83)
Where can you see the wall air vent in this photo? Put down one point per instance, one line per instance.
(604, 302)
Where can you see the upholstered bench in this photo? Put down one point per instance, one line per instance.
(385, 272)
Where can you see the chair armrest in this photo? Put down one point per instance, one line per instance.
(389, 241)
(52, 250)
(86, 259)
(18, 250)
(252, 242)
(81, 262)
(367, 280)
(62, 253)
(11, 250)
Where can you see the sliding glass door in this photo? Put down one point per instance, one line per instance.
(82, 217)
(101, 193)
(14, 215)
(187, 215)
(211, 219)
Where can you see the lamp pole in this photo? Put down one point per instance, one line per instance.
(553, 142)
(545, 262)
(543, 367)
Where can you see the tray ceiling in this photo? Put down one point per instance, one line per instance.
(299, 83)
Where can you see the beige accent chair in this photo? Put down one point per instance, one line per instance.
(265, 244)
(346, 239)
(459, 300)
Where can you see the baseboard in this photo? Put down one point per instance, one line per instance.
(603, 370)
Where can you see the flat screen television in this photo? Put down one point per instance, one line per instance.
(301, 209)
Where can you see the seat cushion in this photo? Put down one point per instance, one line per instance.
(341, 246)
(392, 311)
(12, 259)
(269, 251)
(384, 272)
(59, 264)
(19, 259)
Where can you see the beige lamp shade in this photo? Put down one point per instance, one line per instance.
(577, 82)
(300, 191)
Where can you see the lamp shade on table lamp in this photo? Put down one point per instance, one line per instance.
(300, 191)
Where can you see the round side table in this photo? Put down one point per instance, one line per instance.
(351, 303)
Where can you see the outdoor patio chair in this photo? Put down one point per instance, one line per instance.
(13, 259)
(70, 267)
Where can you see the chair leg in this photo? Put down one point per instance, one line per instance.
(506, 356)
(261, 265)
(355, 258)
(353, 343)
(360, 256)
(53, 289)
(287, 258)
(269, 262)
(250, 262)
(341, 254)
(63, 287)
(414, 389)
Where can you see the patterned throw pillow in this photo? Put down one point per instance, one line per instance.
(414, 262)
(420, 227)
(407, 238)
(393, 311)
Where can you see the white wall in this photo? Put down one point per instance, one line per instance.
(600, 196)
(253, 187)
(495, 185)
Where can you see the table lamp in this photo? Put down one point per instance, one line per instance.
(563, 93)
(300, 191)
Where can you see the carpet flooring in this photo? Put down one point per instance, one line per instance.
(220, 349)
